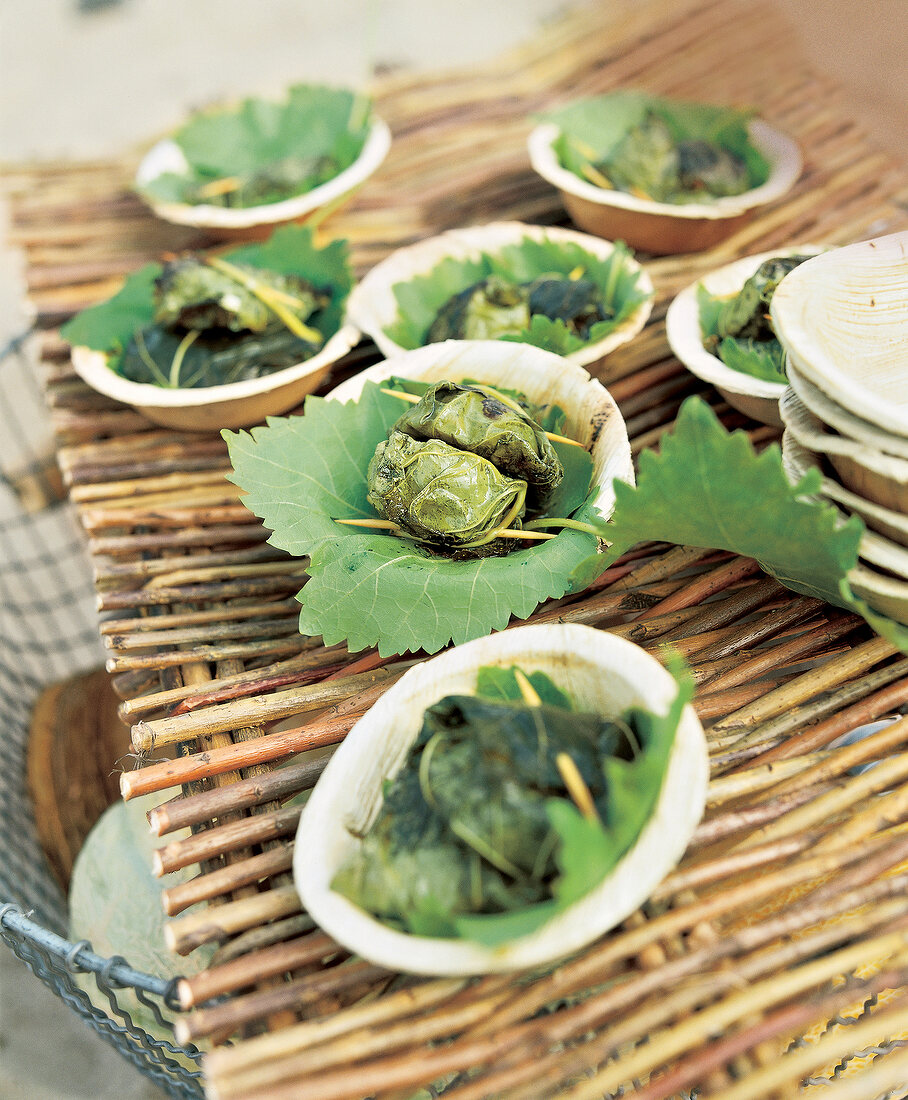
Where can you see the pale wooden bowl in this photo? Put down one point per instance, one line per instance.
(843, 420)
(593, 418)
(798, 460)
(210, 408)
(868, 472)
(665, 228)
(253, 222)
(372, 305)
(755, 397)
(843, 320)
(602, 673)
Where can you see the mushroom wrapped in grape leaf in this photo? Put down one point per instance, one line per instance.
(192, 294)
(659, 149)
(488, 424)
(441, 494)
(496, 307)
(201, 321)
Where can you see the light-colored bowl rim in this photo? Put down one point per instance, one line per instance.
(611, 447)
(780, 150)
(818, 366)
(92, 367)
(370, 304)
(875, 548)
(799, 458)
(684, 335)
(807, 429)
(657, 849)
(166, 155)
(846, 423)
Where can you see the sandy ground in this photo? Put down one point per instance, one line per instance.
(80, 84)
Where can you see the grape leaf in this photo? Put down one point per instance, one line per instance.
(313, 121)
(591, 128)
(708, 487)
(590, 849)
(421, 297)
(762, 359)
(370, 588)
(290, 250)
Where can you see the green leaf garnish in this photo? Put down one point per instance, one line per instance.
(591, 129)
(303, 473)
(420, 298)
(267, 151)
(109, 326)
(708, 487)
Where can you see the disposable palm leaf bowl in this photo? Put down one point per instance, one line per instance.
(666, 228)
(755, 397)
(593, 418)
(875, 548)
(257, 222)
(373, 306)
(841, 420)
(798, 460)
(842, 318)
(210, 408)
(601, 673)
(868, 472)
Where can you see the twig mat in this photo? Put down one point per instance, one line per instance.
(790, 910)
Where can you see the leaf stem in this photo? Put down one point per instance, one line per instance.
(574, 524)
(528, 692)
(395, 529)
(576, 787)
(142, 349)
(179, 355)
(267, 297)
(414, 399)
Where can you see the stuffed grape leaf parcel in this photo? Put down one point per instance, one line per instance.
(302, 473)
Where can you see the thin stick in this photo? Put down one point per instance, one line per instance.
(415, 399)
(393, 528)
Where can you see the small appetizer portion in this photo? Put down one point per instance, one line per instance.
(214, 340)
(662, 175)
(719, 327)
(563, 291)
(439, 493)
(504, 804)
(262, 161)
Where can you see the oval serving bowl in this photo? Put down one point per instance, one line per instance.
(593, 418)
(373, 306)
(755, 397)
(251, 222)
(843, 320)
(601, 673)
(666, 228)
(868, 472)
(235, 405)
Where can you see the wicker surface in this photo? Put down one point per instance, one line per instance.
(790, 910)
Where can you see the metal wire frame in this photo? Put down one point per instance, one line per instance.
(48, 632)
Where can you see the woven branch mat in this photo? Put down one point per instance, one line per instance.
(773, 959)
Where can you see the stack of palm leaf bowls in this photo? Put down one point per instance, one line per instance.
(842, 318)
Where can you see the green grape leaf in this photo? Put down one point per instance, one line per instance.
(494, 682)
(763, 359)
(591, 129)
(708, 487)
(589, 849)
(370, 588)
(312, 123)
(290, 250)
(420, 298)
